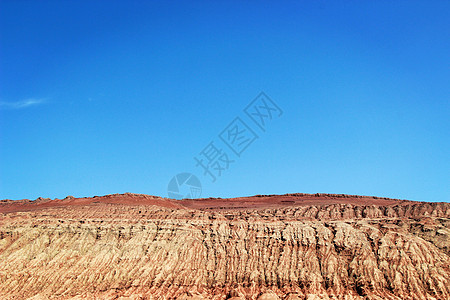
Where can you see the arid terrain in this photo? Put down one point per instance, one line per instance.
(295, 246)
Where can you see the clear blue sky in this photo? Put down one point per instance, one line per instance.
(104, 97)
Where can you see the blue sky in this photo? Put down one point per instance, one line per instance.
(104, 97)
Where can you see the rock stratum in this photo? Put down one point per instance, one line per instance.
(295, 246)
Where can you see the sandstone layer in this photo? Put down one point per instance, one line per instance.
(295, 246)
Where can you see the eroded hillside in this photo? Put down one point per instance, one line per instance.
(268, 247)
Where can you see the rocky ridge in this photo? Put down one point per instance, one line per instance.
(297, 246)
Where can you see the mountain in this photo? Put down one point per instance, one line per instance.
(294, 246)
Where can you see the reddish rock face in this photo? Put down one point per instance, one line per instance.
(297, 246)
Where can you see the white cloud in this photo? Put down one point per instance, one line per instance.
(21, 104)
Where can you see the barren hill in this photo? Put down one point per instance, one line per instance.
(295, 246)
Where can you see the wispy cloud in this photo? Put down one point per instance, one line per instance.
(22, 104)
